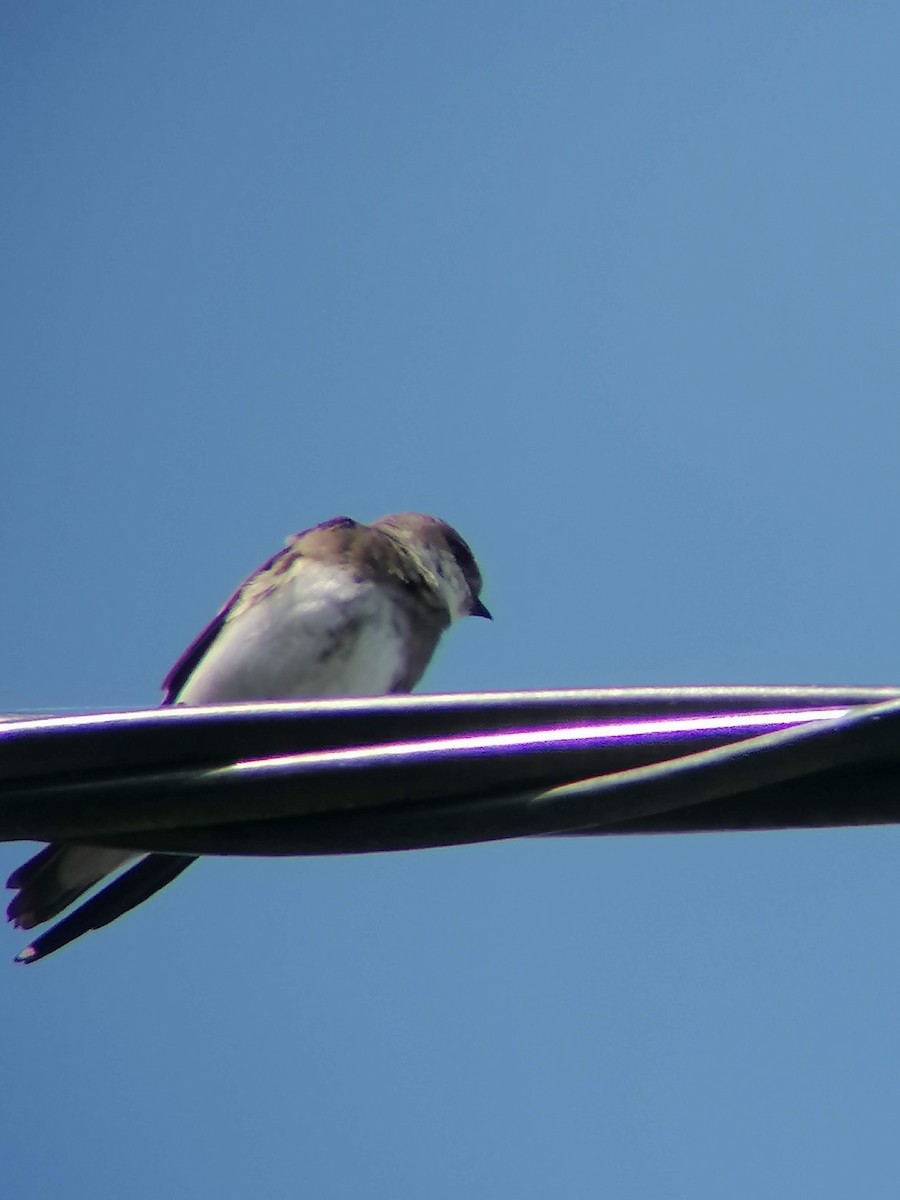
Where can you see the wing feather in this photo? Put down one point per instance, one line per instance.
(186, 664)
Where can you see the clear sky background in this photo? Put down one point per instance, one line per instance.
(614, 288)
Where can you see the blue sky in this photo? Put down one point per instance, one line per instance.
(613, 288)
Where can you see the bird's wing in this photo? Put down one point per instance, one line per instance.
(253, 588)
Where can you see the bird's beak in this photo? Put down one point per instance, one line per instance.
(479, 610)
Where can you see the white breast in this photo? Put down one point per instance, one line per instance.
(319, 632)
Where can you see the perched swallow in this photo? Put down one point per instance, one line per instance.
(343, 609)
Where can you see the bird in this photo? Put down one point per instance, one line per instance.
(343, 609)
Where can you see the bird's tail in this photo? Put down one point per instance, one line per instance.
(126, 891)
(56, 876)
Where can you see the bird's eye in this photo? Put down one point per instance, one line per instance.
(461, 552)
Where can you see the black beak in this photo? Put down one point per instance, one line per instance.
(478, 610)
